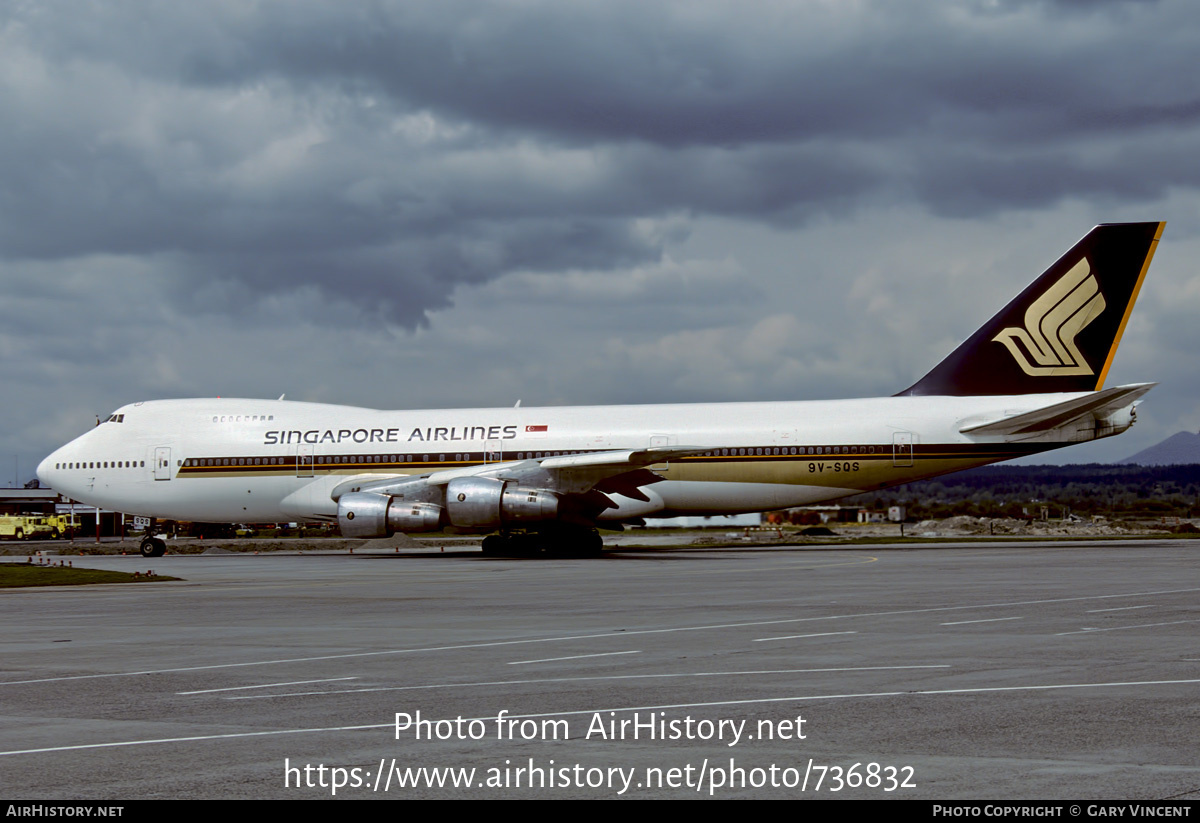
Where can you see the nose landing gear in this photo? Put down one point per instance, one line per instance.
(152, 546)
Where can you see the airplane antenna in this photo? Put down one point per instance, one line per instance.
(518, 404)
(283, 395)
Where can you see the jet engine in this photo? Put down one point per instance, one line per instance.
(488, 503)
(366, 514)
(482, 503)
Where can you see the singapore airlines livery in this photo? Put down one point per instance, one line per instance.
(1031, 379)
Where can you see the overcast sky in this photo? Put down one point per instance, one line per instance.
(418, 205)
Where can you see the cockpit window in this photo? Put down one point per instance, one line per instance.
(115, 418)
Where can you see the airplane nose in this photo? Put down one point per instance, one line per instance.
(46, 472)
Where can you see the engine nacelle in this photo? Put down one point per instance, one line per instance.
(365, 514)
(488, 503)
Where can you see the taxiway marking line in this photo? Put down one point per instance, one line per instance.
(987, 620)
(584, 678)
(1123, 628)
(268, 685)
(706, 627)
(757, 701)
(573, 657)
(797, 636)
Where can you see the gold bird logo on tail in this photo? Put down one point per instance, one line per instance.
(1052, 322)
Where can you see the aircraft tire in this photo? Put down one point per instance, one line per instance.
(153, 547)
(572, 541)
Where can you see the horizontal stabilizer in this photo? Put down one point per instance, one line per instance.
(1099, 404)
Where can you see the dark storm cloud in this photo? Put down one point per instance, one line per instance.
(401, 281)
(695, 73)
(389, 153)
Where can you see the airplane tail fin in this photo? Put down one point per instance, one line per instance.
(1060, 334)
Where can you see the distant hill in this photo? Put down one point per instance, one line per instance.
(1178, 449)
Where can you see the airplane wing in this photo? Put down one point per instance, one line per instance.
(572, 473)
(1101, 405)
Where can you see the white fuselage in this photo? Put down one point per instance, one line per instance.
(240, 460)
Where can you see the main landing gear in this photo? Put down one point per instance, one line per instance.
(557, 541)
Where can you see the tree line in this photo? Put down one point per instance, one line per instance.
(1024, 491)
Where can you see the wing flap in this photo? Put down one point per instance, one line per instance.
(571, 471)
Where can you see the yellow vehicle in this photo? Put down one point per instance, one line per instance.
(27, 526)
(62, 524)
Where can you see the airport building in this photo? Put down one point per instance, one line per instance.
(46, 502)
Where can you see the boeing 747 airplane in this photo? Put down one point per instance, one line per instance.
(1031, 379)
